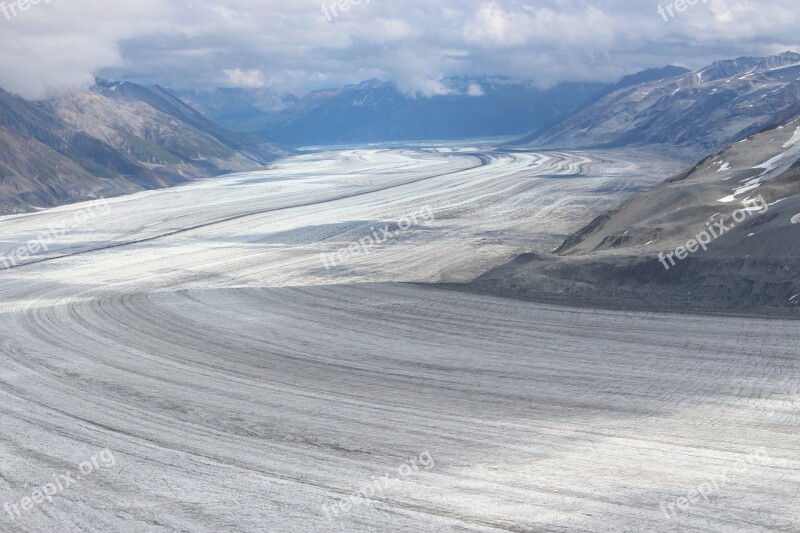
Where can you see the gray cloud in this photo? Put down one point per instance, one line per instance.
(294, 46)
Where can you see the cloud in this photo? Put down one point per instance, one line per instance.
(292, 46)
(237, 77)
(494, 26)
(475, 90)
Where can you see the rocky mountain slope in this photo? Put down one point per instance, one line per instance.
(116, 138)
(695, 112)
(723, 236)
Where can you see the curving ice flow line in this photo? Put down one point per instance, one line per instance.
(241, 386)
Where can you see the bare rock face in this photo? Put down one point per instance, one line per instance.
(115, 138)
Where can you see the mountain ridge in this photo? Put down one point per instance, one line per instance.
(115, 138)
(697, 112)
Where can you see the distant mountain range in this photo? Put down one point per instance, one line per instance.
(694, 112)
(122, 137)
(377, 111)
(115, 138)
(238, 109)
(688, 113)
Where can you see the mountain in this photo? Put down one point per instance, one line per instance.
(376, 111)
(239, 109)
(645, 76)
(666, 250)
(697, 112)
(115, 138)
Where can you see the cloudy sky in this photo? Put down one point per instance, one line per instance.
(296, 45)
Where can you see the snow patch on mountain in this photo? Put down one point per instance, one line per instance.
(771, 168)
(794, 140)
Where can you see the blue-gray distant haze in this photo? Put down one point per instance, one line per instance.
(375, 111)
(304, 45)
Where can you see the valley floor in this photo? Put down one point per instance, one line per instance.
(245, 382)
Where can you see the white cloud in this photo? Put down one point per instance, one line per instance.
(292, 45)
(494, 26)
(237, 77)
(475, 90)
